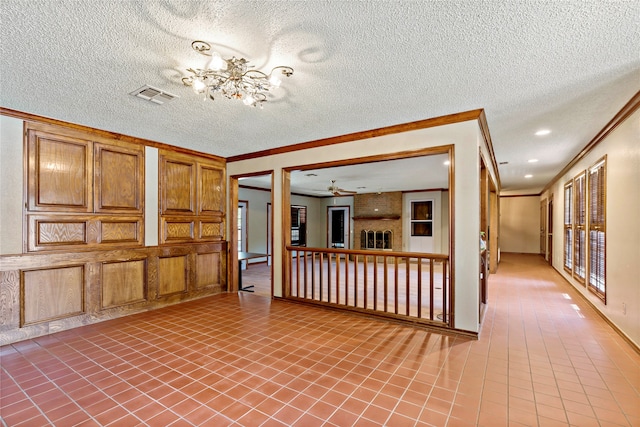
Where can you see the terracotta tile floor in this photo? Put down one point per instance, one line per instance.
(544, 358)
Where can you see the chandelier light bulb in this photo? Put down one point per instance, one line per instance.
(198, 85)
(217, 63)
(275, 81)
(233, 78)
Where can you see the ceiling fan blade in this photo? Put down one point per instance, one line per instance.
(341, 190)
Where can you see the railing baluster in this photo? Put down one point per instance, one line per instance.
(337, 278)
(419, 288)
(321, 267)
(365, 269)
(445, 311)
(386, 284)
(329, 277)
(408, 284)
(346, 280)
(355, 281)
(304, 276)
(375, 282)
(313, 275)
(395, 285)
(431, 286)
(298, 274)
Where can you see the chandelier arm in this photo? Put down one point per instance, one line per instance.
(287, 71)
(261, 74)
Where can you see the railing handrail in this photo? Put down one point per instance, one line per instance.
(369, 252)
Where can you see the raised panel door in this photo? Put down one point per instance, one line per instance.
(178, 187)
(60, 173)
(211, 190)
(119, 179)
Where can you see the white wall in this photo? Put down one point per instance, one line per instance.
(11, 185)
(467, 139)
(622, 148)
(520, 224)
(151, 203)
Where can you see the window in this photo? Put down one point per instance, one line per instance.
(580, 233)
(422, 218)
(597, 229)
(298, 225)
(568, 226)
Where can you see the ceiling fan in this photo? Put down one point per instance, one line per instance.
(337, 191)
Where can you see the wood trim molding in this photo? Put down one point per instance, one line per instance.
(629, 108)
(521, 195)
(27, 117)
(484, 128)
(389, 130)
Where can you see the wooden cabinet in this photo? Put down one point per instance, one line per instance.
(192, 198)
(81, 193)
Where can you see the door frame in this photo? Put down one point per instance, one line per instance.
(346, 209)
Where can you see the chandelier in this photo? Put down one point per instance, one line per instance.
(232, 78)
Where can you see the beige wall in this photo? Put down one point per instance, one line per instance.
(520, 224)
(622, 148)
(11, 178)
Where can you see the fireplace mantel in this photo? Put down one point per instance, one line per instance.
(377, 218)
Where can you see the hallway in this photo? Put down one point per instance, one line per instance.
(544, 358)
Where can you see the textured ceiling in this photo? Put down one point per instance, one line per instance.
(564, 65)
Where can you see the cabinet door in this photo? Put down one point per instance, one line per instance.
(60, 173)
(119, 173)
(178, 187)
(210, 190)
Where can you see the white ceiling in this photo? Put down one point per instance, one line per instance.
(568, 66)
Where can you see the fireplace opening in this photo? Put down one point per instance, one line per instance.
(376, 239)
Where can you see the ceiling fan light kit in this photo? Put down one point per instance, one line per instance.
(233, 78)
(337, 191)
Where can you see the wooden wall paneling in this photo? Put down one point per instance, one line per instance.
(72, 232)
(210, 230)
(207, 269)
(119, 179)
(9, 300)
(59, 173)
(172, 275)
(122, 230)
(201, 270)
(177, 186)
(54, 232)
(211, 194)
(123, 283)
(174, 230)
(51, 294)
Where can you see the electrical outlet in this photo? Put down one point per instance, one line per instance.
(624, 309)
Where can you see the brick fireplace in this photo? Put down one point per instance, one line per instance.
(379, 214)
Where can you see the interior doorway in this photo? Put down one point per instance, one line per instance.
(249, 267)
(338, 231)
(242, 229)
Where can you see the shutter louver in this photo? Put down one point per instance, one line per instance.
(597, 230)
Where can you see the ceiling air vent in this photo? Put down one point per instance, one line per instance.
(153, 94)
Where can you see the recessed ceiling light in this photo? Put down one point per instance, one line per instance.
(543, 132)
(533, 160)
(446, 163)
(528, 176)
